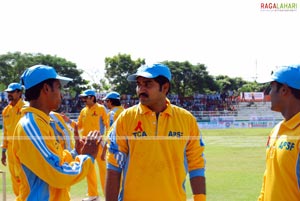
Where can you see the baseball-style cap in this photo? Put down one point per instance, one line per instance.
(39, 73)
(14, 86)
(289, 75)
(88, 92)
(112, 95)
(151, 71)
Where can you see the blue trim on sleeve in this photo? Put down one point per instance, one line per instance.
(73, 153)
(298, 171)
(34, 134)
(39, 190)
(101, 123)
(197, 173)
(112, 167)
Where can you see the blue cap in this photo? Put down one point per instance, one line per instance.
(39, 73)
(151, 71)
(289, 75)
(112, 95)
(88, 92)
(14, 86)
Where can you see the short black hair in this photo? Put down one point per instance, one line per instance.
(34, 92)
(161, 80)
(295, 92)
(115, 102)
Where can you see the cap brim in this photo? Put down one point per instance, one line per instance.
(131, 78)
(8, 90)
(263, 80)
(64, 80)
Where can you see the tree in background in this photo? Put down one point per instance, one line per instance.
(12, 65)
(189, 79)
(118, 68)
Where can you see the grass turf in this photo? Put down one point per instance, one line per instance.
(235, 162)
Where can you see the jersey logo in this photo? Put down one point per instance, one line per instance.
(287, 145)
(139, 130)
(175, 134)
(94, 114)
(139, 126)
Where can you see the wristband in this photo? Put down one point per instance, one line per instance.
(199, 197)
(3, 150)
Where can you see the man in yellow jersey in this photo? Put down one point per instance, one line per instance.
(92, 117)
(113, 104)
(11, 115)
(154, 145)
(281, 179)
(44, 169)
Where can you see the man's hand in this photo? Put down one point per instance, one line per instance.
(3, 158)
(91, 144)
(65, 117)
(79, 142)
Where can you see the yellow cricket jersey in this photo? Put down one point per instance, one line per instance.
(155, 155)
(114, 113)
(93, 118)
(282, 175)
(11, 115)
(40, 161)
(62, 132)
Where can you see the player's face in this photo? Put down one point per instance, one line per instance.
(107, 103)
(88, 100)
(55, 96)
(14, 95)
(275, 97)
(149, 92)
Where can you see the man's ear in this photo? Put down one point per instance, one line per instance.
(166, 87)
(45, 88)
(285, 89)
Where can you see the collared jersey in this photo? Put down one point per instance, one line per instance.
(282, 174)
(40, 163)
(11, 115)
(93, 118)
(155, 154)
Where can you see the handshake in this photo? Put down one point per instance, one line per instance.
(87, 145)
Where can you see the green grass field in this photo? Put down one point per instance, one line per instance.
(235, 162)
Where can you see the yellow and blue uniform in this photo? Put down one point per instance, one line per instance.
(282, 175)
(62, 131)
(114, 113)
(11, 115)
(155, 153)
(41, 164)
(94, 118)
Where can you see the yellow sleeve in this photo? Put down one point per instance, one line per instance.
(4, 143)
(199, 197)
(262, 192)
(36, 149)
(195, 151)
(117, 146)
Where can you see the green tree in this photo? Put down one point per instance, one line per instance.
(118, 68)
(188, 79)
(12, 65)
